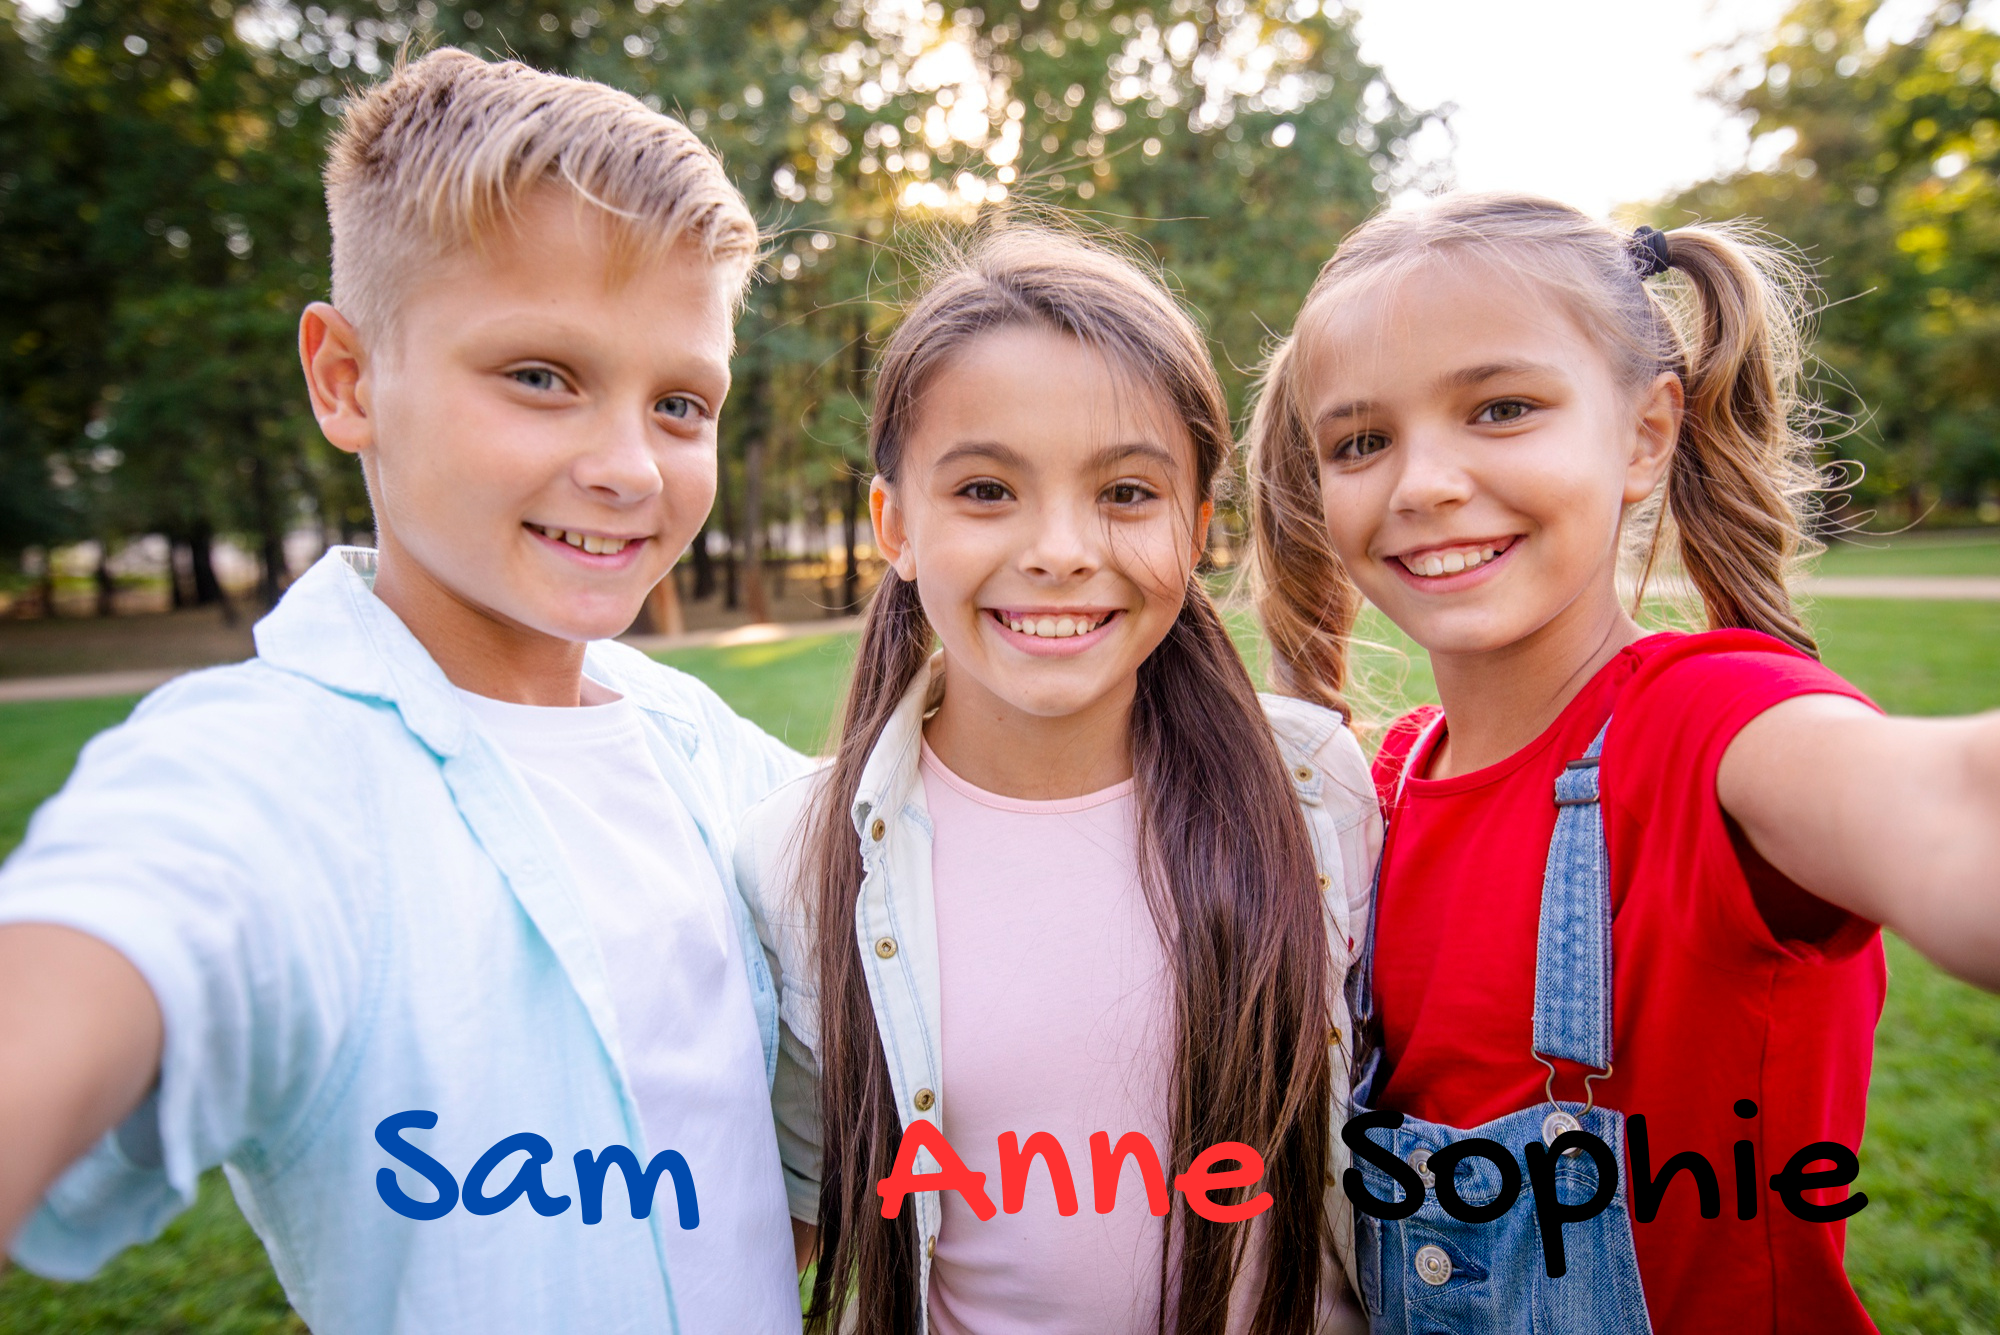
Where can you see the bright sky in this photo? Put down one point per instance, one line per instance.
(1595, 102)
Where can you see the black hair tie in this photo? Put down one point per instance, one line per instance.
(1649, 251)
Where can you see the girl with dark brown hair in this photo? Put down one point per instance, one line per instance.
(1626, 944)
(1064, 857)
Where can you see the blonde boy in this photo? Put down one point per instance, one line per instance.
(419, 921)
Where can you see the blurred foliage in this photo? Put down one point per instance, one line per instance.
(1884, 160)
(161, 219)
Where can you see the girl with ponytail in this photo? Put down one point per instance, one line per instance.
(1626, 950)
(1069, 908)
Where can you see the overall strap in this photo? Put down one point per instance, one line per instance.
(1573, 950)
(1367, 1047)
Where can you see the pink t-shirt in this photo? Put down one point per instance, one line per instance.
(1056, 1018)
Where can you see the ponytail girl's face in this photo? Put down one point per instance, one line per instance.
(1476, 454)
(1044, 507)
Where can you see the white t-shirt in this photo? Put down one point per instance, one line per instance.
(686, 1024)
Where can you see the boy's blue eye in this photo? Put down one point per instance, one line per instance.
(678, 406)
(539, 378)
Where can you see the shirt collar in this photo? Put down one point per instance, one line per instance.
(330, 628)
(892, 765)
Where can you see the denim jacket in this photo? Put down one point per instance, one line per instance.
(348, 905)
(892, 823)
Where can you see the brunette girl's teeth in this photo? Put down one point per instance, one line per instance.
(1051, 627)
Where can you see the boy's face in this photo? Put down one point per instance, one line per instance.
(539, 431)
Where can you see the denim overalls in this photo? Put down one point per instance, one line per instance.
(1430, 1273)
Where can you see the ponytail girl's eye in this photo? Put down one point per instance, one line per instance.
(1358, 446)
(1501, 412)
(986, 491)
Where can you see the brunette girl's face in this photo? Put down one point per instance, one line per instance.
(1044, 508)
(1476, 454)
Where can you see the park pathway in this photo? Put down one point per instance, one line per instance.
(1927, 588)
(90, 685)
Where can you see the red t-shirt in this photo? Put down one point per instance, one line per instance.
(1729, 981)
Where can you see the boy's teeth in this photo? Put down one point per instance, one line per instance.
(586, 542)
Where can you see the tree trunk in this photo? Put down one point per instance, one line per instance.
(208, 590)
(723, 508)
(850, 525)
(704, 566)
(661, 613)
(270, 535)
(754, 601)
(107, 588)
(180, 558)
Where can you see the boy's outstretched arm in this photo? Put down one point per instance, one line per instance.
(80, 1039)
(1894, 819)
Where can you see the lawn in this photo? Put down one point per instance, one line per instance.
(1925, 1254)
(1965, 552)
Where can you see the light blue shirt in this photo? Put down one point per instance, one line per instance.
(348, 905)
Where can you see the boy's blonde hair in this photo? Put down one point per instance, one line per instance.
(441, 153)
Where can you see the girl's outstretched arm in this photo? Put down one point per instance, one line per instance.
(1894, 819)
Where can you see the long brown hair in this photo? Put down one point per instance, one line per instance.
(1230, 877)
(1729, 322)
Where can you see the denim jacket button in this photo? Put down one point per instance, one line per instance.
(886, 947)
(1433, 1266)
(925, 1100)
(1420, 1160)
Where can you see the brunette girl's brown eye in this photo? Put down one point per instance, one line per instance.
(1127, 493)
(989, 492)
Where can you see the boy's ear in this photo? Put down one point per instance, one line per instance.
(330, 352)
(1660, 409)
(891, 539)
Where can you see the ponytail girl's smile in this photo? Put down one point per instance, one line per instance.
(1044, 512)
(1476, 455)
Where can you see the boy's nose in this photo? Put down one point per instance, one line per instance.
(619, 465)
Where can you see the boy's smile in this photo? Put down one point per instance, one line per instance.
(539, 436)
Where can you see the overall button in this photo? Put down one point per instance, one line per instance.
(1555, 1124)
(1325, 881)
(925, 1100)
(1304, 774)
(886, 947)
(1433, 1266)
(1420, 1160)
(877, 830)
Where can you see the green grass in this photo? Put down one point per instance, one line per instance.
(1967, 552)
(1925, 1254)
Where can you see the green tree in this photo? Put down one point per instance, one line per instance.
(1885, 179)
